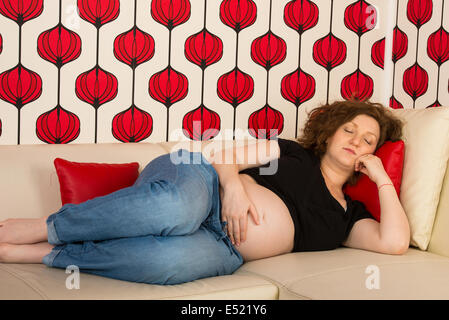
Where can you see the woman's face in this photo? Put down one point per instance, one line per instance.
(353, 139)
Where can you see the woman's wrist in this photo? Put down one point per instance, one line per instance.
(384, 185)
(231, 182)
(383, 181)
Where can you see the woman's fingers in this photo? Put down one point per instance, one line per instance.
(359, 163)
(236, 231)
(237, 227)
(254, 214)
(243, 228)
(230, 231)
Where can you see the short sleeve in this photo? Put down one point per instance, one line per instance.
(291, 148)
(358, 212)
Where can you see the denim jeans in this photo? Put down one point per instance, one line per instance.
(164, 229)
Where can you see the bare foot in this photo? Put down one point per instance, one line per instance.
(24, 253)
(23, 231)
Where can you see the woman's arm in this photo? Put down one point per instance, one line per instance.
(253, 154)
(230, 161)
(392, 234)
(393, 227)
(226, 164)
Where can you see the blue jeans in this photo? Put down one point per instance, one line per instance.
(165, 229)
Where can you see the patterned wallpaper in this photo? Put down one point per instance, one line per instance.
(97, 71)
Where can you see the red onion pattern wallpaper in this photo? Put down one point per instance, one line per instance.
(97, 71)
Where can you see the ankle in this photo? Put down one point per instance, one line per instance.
(44, 235)
(4, 248)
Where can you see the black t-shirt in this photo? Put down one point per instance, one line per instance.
(321, 223)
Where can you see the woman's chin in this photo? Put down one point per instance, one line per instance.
(349, 166)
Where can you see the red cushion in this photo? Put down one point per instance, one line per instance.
(365, 191)
(80, 182)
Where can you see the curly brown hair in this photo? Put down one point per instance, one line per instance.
(324, 121)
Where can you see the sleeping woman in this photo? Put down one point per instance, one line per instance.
(205, 216)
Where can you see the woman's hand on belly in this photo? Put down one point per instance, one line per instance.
(235, 207)
(275, 233)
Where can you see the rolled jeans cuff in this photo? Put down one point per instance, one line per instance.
(51, 231)
(49, 258)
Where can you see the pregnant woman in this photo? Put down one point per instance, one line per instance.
(190, 216)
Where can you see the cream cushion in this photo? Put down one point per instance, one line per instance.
(352, 274)
(37, 281)
(439, 243)
(426, 138)
(30, 174)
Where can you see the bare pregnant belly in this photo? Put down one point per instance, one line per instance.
(275, 234)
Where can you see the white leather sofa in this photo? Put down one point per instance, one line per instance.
(29, 187)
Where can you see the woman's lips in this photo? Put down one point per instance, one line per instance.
(349, 150)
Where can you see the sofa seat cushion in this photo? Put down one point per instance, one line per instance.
(36, 282)
(347, 273)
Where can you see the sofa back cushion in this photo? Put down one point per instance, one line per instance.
(439, 242)
(29, 186)
(426, 138)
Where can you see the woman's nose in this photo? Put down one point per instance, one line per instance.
(355, 141)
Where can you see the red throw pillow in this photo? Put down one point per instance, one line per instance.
(80, 182)
(365, 191)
